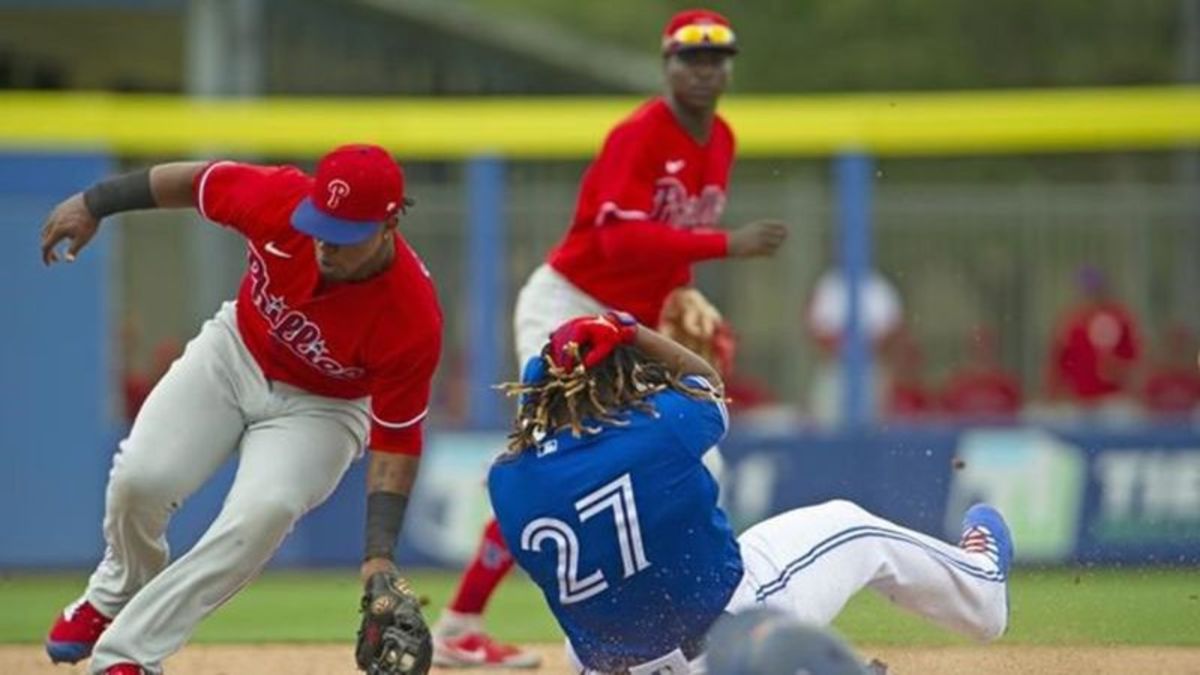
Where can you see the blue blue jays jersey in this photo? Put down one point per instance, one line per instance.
(621, 530)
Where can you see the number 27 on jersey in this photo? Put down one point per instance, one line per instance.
(616, 496)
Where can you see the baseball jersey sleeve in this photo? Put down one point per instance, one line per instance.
(698, 423)
(645, 243)
(247, 197)
(624, 177)
(400, 396)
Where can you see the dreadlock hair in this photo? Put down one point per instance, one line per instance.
(624, 381)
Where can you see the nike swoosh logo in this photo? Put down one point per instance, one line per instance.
(276, 251)
(674, 166)
(477, 655)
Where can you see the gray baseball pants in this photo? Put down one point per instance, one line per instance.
(213, 402)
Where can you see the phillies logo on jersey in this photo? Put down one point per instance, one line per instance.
(673, 204)
(338, 190)
(291, 327)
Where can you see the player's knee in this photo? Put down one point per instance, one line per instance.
(269, 514)
(713, 461)
(138, 486)
(992, 626)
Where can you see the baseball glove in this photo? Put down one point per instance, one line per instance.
(691, 320)
(393, 638)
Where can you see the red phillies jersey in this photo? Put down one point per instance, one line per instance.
(380, 337)
(646, 209)
(1172, 390)
(1094, 350)
(984, 391)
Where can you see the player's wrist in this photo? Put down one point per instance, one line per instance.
(625, 323)
(385, 514)
(127, 192)
(373, 566)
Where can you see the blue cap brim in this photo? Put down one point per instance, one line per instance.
(317, 224)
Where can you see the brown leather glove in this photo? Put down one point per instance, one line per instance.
(393, 638)
(691, 320)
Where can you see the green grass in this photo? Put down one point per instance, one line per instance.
(1056, 606)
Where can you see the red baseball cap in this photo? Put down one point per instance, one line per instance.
(356, 188)
(694, 29)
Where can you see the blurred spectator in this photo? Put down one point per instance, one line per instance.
(1172, 386)
(451, 390)
(909, 395)
(881, 311)
(1096, 347)
(981, 388)
(136, 382)
(745, 392)
(139, 382)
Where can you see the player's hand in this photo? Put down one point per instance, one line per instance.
(375, 565)
(592, 338)
(70, 220)
(759, 238)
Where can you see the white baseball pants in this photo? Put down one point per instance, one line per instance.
(810, 561)
(214, 400)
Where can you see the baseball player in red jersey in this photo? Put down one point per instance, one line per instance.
(647, 210)
(329, 347)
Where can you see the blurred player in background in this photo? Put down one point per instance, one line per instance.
(981, 389)
(330, 347)
(609, 509)
(1171, 388)
(1096, 349)
(647, 210)
(826, 319)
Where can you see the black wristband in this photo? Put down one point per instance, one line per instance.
(127, 192)
(385, 516)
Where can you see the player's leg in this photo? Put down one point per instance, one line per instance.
(491, 562)
(289, 464)
(460, 639)
(188, 426)
(810, 561)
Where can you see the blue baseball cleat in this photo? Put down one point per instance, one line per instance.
(984, 531)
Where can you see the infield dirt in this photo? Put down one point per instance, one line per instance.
(307, 659)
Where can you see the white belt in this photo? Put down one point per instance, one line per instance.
(673, 663)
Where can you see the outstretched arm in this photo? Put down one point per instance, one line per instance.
(77, 218)
(649, 243)
(393, 638)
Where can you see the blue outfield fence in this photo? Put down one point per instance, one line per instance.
(56, 366)
(1069, 495)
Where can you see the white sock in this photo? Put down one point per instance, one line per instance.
(452, 623)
